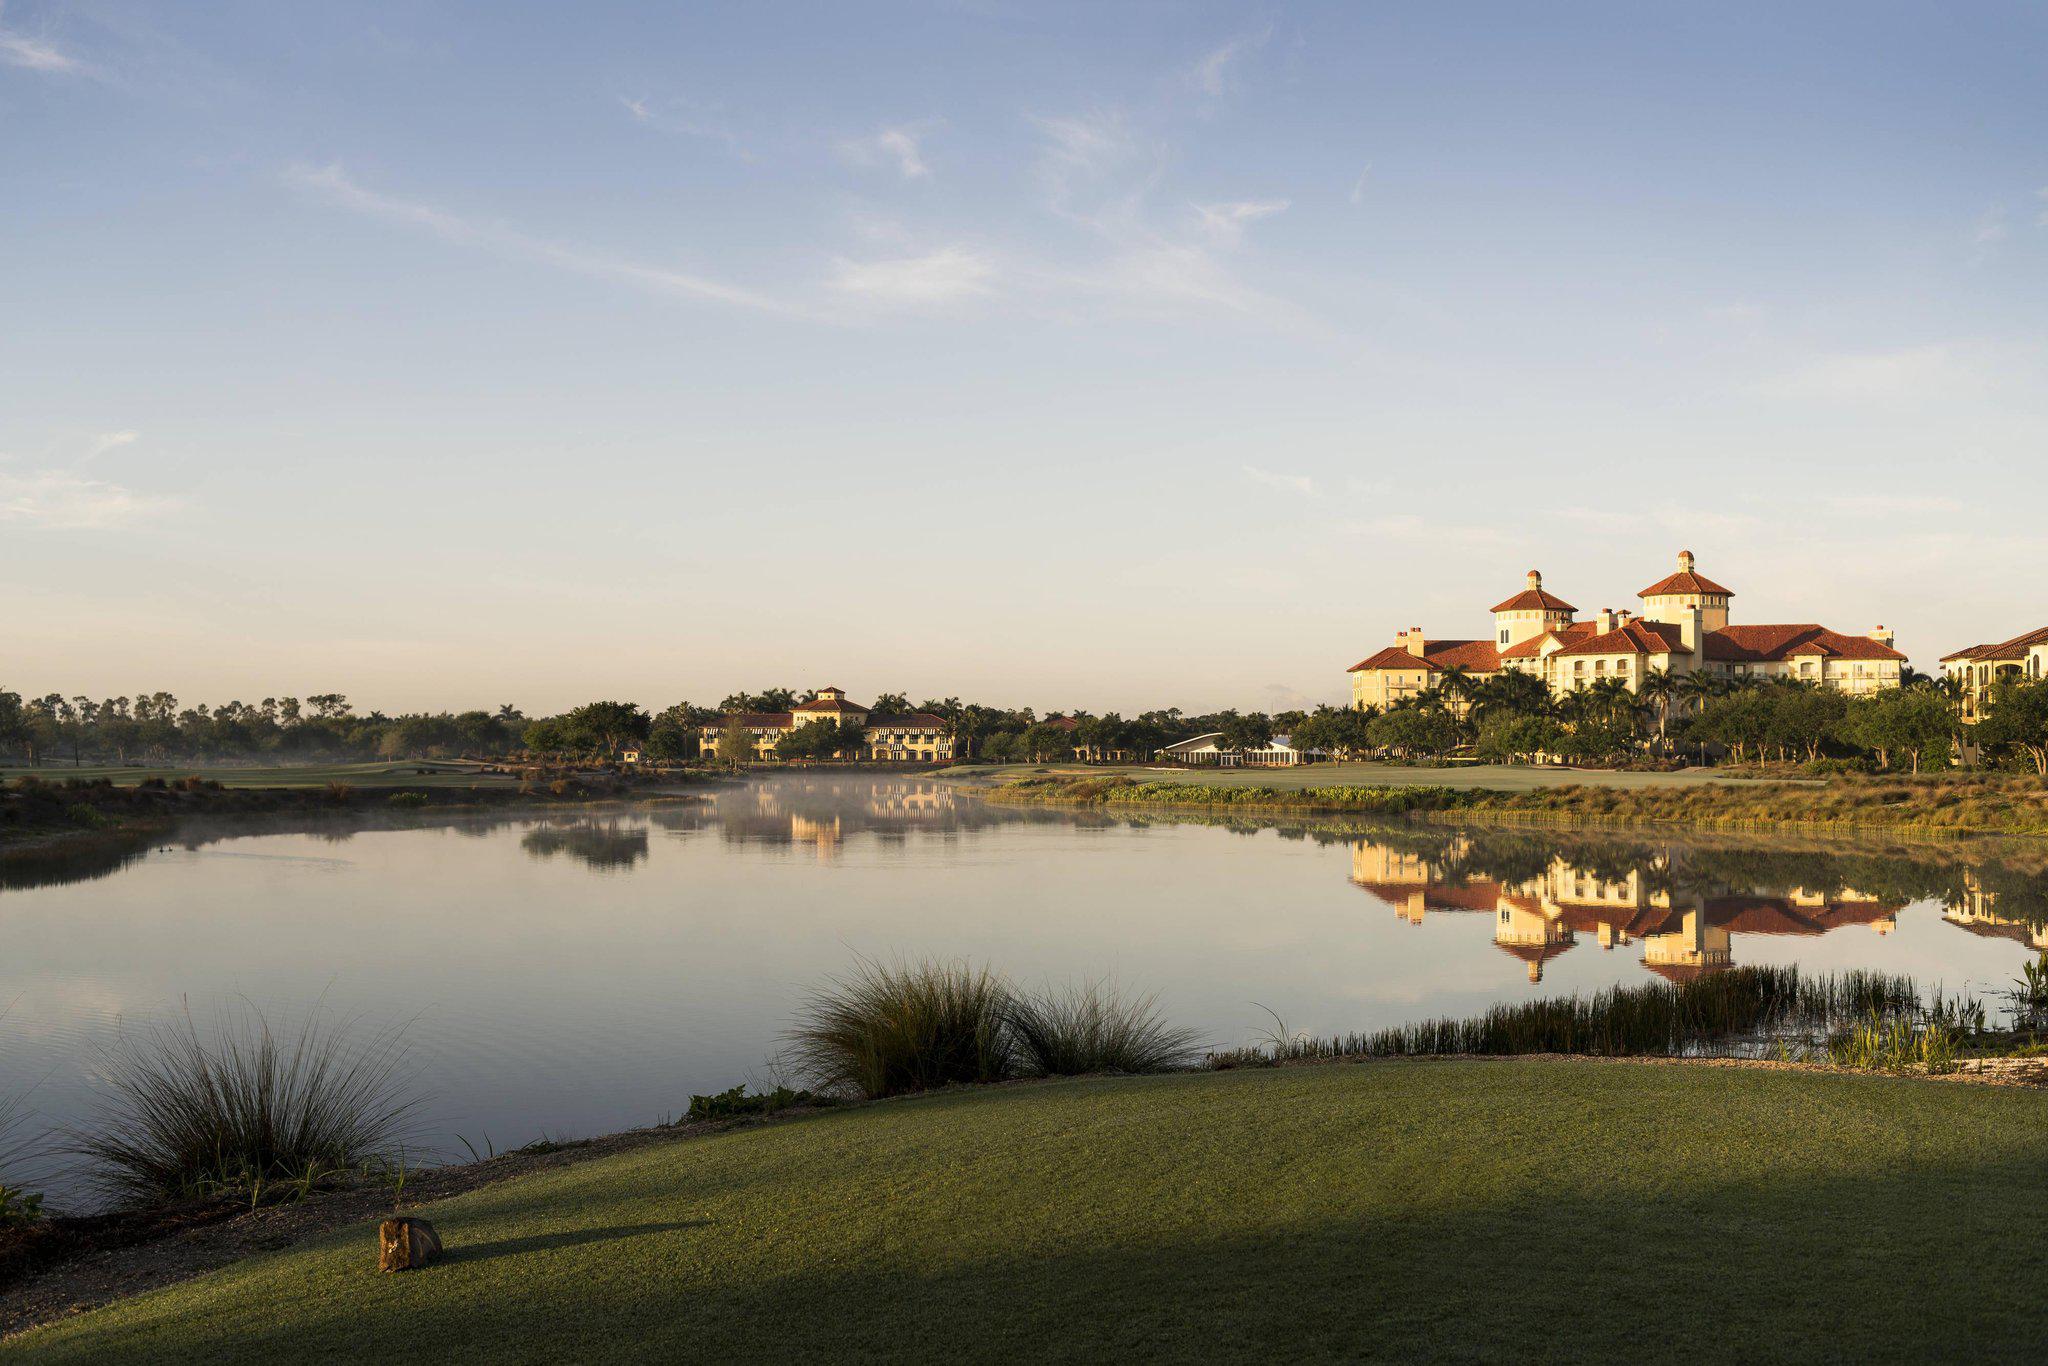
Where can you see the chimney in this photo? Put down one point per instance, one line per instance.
(1622, 616)
(1685, 562)
(1411, 639)
(1603, 621)
(1883, 636)
(1690, 632)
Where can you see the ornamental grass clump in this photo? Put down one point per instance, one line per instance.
(1071, 1031)
(886, 1031)
(241, 1109)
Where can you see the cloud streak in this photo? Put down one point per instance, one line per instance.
(35, 54)
(942, 277)
(1212, 74)
(335, 186)
(1288, 483)
(58, 500)
(691, 125)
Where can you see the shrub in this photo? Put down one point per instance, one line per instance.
(885, 1031)
(408, 800)
(1075, 1030)
(341, 794)
(242, 1109)
(739, 1103)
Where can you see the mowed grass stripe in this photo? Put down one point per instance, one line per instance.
(1406, 1210)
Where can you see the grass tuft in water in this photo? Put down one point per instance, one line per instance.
(242, 1109)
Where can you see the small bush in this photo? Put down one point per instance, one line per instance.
(1071, 1031)
(408, 800)
(341, 794)
(739, 1103)
(243, 1109)
(885, 1031)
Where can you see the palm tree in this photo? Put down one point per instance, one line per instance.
(1457, 683)
(1658, 687)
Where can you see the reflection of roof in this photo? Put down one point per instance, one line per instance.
(1755, 643)
(1437, 896)
(1687, 972)
(2009, 930)
(1535, 953)
(2016, 648)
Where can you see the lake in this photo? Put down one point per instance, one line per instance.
(580, 971)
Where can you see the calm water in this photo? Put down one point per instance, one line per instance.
(587, 972)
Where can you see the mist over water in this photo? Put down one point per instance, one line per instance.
(572, 973)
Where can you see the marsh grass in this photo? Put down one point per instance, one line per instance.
(885, 1030)
(1074, 1030)
(242, 1109)
(1742, 1010)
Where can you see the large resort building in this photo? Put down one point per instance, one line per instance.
(1979, 669)
(1682, 629)
(918, 737)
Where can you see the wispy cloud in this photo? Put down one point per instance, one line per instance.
(1212, 74)
(1097, 174)
(1291, 483)
(1225, 223)
(108, 441)
(63, 501)
(685, 121)
(947, 276)
(1357, 195)
(2042, 193)
(334, 185)
(34, 53)
(1909, 374)
(1990, 228)
(899, 147)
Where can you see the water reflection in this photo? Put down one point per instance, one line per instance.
(615, 959)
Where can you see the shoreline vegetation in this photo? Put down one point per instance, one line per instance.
(222, 1125)
(1973, 804)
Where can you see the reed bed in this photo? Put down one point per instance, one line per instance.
(242, 1108)
(1072, 1031)
(1747, 1006)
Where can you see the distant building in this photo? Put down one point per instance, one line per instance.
(1981, 668)
(918, 737)
(1684, 628)
(1203, 751)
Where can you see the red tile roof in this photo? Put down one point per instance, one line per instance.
(1535, 953)
(1533, 647)
(1533, 599)
(750, 718)
(1637, 637)
(2016, 648)
(1754, 644)
(1477, 655)
(1685, 581)
(830, 704)
(1687, 972)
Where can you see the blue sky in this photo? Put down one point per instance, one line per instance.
(1091, 355)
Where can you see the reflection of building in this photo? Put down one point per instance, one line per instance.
(1683, 628)
(918, 737)
(1537, 914)
(1981, 668)
(1977, 912)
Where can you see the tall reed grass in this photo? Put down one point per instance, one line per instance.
(1719, 1012)
(241, 1108)
(1071, 1031)
(886, 1030)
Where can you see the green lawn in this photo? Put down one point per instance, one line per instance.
(381, 773)
(1415, 1210)
(1493, 777)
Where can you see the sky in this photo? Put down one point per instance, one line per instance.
(1098, 356)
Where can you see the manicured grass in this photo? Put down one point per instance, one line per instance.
(1490, 777)
(382, 773)
(1399, 1211)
